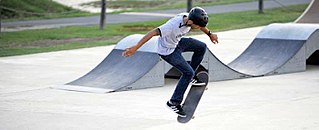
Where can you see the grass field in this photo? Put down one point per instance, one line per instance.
(12, 10)
(148, 5)
(46, 40)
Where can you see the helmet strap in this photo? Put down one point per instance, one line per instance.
(186, 24)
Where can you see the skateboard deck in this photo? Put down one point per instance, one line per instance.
(193, 97)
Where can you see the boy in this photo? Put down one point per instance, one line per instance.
(171, 44)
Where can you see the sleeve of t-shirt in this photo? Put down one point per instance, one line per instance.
(165, 29)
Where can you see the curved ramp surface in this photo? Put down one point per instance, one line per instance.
(311, 14)
(117, 73)
(265, 55)
(277, 49)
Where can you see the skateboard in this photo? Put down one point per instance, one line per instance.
(193, 97)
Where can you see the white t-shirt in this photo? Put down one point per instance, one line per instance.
(171, 33)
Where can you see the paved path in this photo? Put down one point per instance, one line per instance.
(142, 16)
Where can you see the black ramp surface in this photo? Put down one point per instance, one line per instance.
(116, 71)
(266, 55)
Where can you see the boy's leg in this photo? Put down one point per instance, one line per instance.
(177, 60)
(196, 46)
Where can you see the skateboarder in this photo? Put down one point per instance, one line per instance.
(172, 43)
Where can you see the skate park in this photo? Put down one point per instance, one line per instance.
(277, 49)
(287, 100)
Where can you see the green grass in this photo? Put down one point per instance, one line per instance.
(32, 50)
(231, 21)
(149, 5)
(46, 40)
(34, 9)
(15, 10)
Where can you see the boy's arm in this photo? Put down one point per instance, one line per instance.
(131, 50)
(213, 37)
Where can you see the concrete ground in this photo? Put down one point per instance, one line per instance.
(280, 102)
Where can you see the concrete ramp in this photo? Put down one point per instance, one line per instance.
(277, 49)
(311, 14)
(117, 73)
(265, 55)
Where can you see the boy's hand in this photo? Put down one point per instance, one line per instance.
(214, 38)
(129, 51)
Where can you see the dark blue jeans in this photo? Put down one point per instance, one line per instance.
(187, 69)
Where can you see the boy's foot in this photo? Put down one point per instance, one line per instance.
(196, 82)
(177, 109)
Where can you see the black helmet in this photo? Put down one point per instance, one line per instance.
(199, 16)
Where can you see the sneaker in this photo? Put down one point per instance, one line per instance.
(196, 82)
(177, 109)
